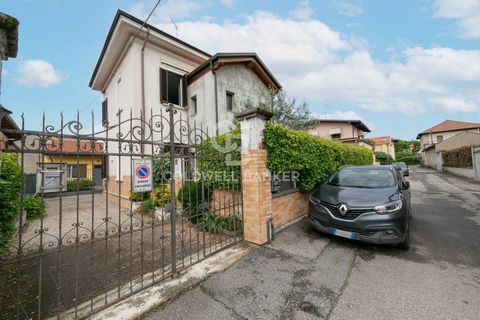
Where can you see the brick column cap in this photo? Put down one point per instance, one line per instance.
(254, 112)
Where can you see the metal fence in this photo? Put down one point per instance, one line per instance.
(95, 246)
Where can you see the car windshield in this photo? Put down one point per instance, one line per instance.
(362, 178)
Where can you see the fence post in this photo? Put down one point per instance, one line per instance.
(256, 189)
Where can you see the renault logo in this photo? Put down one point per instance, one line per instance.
(343, 209)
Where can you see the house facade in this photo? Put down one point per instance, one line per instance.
(384, 144)
(346, 131)
(446, 130)
(142, 71)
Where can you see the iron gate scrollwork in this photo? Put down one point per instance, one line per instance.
(97, 244)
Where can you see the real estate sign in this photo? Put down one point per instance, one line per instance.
(142, 175)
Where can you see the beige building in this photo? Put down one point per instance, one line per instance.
(384, 144)
(446, 130)
(346, 131)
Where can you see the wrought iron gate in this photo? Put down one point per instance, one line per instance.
(90, 249)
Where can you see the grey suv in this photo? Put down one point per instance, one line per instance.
(369, 203)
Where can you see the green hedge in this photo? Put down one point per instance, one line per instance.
(314, 158)
(83, 184)
(218, 161)
(383, 158)
(10, 190)
(460, 158)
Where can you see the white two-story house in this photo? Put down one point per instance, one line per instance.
(143, 70)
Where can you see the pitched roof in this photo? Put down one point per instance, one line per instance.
(9, 43)
(451, 125)
(139, 22)
(6, 122)
(70, 146)
(379, 140)
(250, 59)
(356, 123)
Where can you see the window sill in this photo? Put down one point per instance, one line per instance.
(284, 193)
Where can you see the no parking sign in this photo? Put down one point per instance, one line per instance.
(142, 175)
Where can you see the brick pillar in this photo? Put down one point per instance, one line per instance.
(257, 197)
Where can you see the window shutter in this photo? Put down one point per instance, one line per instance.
(105, 112)
(163, 86)
(184, 91)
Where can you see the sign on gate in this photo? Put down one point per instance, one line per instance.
(142, 175)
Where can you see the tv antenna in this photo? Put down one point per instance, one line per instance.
(174, 25)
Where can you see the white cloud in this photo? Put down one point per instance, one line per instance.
(303, 11)
(466, 12)
(347, 8)
(38, 73)
(229, 3)
(315, 62)
(168, 9)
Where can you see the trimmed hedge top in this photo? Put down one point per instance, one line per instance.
(314, 158)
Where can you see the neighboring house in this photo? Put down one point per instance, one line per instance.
(81, 164)
(144, 70)
(439, 133)
(346, 131)
(384, 144)
(463, 139)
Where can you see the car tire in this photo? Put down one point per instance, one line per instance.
(405, 245)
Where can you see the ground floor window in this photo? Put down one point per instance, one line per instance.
(77, 171)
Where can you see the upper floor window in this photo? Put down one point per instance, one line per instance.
(229, 101)
(439, 138)
(193, 104)
(336, 136)
(173, 88)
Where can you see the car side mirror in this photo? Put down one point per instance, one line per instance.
(406, 185)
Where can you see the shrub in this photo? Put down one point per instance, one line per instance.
(314, 158)
(138, 196)
(407, 157)
(83, 184)
(214, 224)
(35, 207)
(10, 189)
(161, 195)
(218, 160)
(148, 206)
(161, 170)
(461, 158)
(192, 195)
(383, 158)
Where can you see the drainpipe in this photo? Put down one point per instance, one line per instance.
(216, 96)
(142, 62)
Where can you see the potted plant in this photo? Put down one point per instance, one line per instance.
(136, 198)
(161, 200)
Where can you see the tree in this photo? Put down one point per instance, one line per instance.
(289, 111)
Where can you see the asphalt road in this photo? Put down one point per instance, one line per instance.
(307, 275)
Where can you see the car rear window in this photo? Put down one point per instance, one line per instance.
(362, 178)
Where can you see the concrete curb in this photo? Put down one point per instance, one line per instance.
(137, 305)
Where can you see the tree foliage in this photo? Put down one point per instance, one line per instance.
(10, 190)
(289, 111)
(314, 158)
(383, 158)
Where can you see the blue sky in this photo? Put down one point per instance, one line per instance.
(401, 66)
